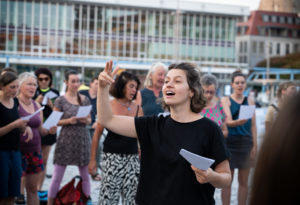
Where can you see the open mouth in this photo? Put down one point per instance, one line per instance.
(170, 93)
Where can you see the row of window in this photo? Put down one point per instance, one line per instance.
(90, 18)
(281, 19)
(258, 47)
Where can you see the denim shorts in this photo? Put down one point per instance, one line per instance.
(10, 173)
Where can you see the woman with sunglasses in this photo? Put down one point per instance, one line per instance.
(213, 108)
(44, 77)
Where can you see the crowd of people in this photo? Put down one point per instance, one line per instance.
(176, 109)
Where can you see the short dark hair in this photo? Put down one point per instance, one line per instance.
(7, 77)
(198, 101)
(44, 71)
(9, 69)
(117, 88)
(236, 74)
(93, 79)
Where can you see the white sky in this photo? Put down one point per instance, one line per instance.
(252, 4)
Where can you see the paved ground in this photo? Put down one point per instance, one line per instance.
(71, 171)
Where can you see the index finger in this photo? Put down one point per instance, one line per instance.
(108, 66)
(115, 71)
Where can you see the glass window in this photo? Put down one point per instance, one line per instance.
(261, 47)
(21, 13)
(287, 49)
(274, 19)
(265, 18)
(45, 15)
(245, 46)
(290, 20)
(37, 14)
(270, 48)
(296, 48)
(278, 49)
(3, 19)
(254, 47)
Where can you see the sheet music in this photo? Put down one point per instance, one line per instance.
(83, 111)
(33, 114)
(48, 95)
(52, 120)
(246, 112)
(198, 161)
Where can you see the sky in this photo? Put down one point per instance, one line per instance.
(252, 4)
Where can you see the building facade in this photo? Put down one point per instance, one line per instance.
(85, 34)
(267, 34)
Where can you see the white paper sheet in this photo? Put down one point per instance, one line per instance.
(198, 161)
(52, 120)
(33, 114)
(83, 111)
(49, 95)
(246, 112)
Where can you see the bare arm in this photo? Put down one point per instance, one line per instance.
(19, 123)
(123, 125)
(225, 130)
(253, 132)
(94, 147)
(229, 121)
(219, 178)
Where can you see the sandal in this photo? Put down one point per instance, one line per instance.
(20, 199)
(96, 177)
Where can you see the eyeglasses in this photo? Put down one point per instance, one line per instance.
(43, 79)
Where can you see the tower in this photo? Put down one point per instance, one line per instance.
(288, 6)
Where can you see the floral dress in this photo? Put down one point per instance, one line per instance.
(73, 143)
(215, 113)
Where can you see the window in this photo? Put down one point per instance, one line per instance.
(296, 48)
(261, 47)
(245, 47)
(274, 19)
(287, 48)
(254, 47)
(270, 48)
(278, 49)
(241, 46)
(265, 18)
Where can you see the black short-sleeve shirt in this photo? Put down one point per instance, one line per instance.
(166, 177)
(11, 140)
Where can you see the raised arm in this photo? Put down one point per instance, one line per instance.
(123, 125)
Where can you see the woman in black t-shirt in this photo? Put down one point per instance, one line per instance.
(165, 177)
(10, 128)
(120, 162)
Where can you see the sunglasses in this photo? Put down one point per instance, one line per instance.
(43, 79)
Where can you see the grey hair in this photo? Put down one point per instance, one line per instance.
(24, 76)
(154, 66)
(209, 79)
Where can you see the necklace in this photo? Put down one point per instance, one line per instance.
(24, 102)
(127, 106)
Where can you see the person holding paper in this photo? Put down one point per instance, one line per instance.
(213, 109)
(165, 176)
(32, 161)
(73, 144)
(44, 77)
(120, 166)
(241, 140)
(11, 127)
